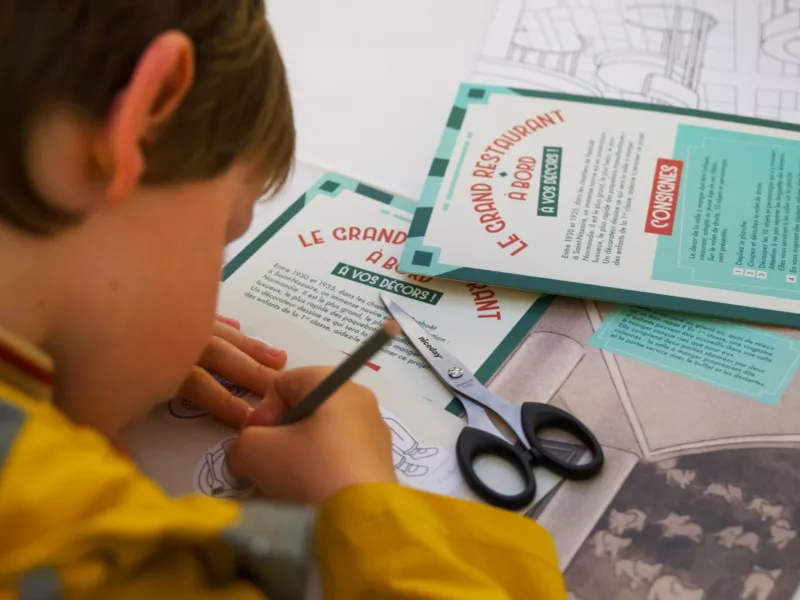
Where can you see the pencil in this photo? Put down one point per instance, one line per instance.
(305, 408)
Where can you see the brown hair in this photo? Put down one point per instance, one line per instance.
(82, 53)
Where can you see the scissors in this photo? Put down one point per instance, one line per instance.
(482, 438)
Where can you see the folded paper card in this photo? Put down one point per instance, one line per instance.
(629, 203)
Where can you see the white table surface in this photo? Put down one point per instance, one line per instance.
(373, 81)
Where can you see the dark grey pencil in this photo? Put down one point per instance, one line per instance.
(343, 372)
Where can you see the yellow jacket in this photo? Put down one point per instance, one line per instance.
(77, 520)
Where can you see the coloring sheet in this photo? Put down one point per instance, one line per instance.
(422, 436)
(183, 448)
(325, 261)
(732, 56)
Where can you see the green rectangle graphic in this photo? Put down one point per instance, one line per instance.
(387, 284)
(550, 182)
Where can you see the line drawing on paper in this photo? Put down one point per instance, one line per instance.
(779, 37)
(213, 478)
(407, 452)
(182, 408)
(778, 105)
(729, 56)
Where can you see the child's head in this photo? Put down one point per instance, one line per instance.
(136, 136)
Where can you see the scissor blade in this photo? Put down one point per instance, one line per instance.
(455, 375)
(432, 350)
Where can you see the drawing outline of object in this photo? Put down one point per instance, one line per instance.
(182, 408)
(760, 584)
(781, 534)
(764, 509)
(737, 537)
(681, 478)
(730, 493)
(671, 75)
(407, 451)
(213, 478)
(216, 486)
(674, 525)
(780, 35)
(637, 571)
(560, 55)
(670, 587)
(701, 54)
(608, 544)
(533, 60)
(620, 522)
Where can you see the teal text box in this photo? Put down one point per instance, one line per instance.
(745, 360)
(737, 224)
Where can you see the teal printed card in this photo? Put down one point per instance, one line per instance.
(744, 360)
(634, 204)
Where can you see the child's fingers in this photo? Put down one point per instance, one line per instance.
(229, 321)
(256, 454)
(268, 412)
(205, 391)
(264, 353)
(289, 389)
(226, 360)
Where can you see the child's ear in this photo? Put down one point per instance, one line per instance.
(160, 82)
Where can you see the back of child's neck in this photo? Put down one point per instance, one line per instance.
(30, 272)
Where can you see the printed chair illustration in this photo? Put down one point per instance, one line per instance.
(670, 75)
(780, 35)
(538, 59)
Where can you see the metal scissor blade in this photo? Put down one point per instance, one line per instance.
(455, 375)
(449, 369)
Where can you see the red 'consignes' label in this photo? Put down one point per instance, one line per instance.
(664, 197)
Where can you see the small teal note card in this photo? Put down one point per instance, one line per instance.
(745, 360)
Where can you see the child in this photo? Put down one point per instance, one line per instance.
(136, 137)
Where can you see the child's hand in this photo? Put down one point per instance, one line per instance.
(344, 442)
(243, 360)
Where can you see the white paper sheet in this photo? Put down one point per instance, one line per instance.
(731, 56)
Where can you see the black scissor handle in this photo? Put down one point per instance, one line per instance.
(473, 443)
(536, 416)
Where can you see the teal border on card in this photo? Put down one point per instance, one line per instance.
(617, 296)
(424, 260)
(332, 185)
